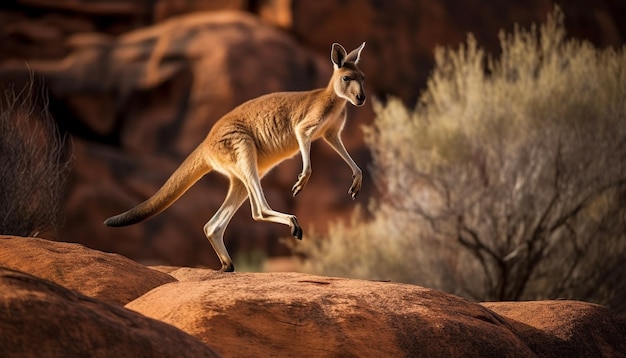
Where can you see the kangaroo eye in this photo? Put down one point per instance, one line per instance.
(345, 78)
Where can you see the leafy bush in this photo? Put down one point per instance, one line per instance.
(506, 182)
(34, 163)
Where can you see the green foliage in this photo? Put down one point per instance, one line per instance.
(506, 182)
(34, 164)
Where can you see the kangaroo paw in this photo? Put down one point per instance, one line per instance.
(228, 268)
(299, 185)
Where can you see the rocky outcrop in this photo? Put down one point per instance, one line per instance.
(268, 314)
(565, 328)
(38, 29)
(41, 319)
(108, 277)
(291, 314)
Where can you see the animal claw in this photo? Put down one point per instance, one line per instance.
(296, 230)
(299, 185)
(297, 233)
(228, 268)
(296, 189)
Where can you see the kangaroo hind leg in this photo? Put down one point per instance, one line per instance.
(214, 228)
(261, 210)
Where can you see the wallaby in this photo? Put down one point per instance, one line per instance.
(254, 137)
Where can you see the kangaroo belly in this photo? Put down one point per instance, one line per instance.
(267, 160)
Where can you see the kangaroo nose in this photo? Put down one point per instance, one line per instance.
(360, 97)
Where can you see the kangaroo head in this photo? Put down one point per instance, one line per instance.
(347, 79)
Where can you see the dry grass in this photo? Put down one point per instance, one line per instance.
(35, 164)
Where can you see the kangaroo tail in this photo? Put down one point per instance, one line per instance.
(187, 174)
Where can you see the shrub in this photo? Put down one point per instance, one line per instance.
(506, 182)
(35, 164)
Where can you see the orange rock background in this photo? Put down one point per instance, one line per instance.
(139, 83)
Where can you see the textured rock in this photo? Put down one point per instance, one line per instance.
(269, 314)
(107, 277)
(38, 29)
(246, 315)
(164, 9)
(41, 319)
(565, 328)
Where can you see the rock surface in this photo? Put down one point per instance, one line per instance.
(269, 314)
(290, 314)
(108, 277)
(41, 319)
(565, 328)
(246, 315)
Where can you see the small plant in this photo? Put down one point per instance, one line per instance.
(506, 182)
(34, 162)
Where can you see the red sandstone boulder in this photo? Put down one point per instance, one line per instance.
(107, 277)
(565, 328)
(279, 314)
(289, 314)
(39, 29)
(41, 319)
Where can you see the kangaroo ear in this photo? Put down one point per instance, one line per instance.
(355, 55)
(338, 55)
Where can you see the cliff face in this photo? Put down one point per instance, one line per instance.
(200, 312)
(139, 84)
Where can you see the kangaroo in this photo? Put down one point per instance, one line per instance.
(250, 140)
